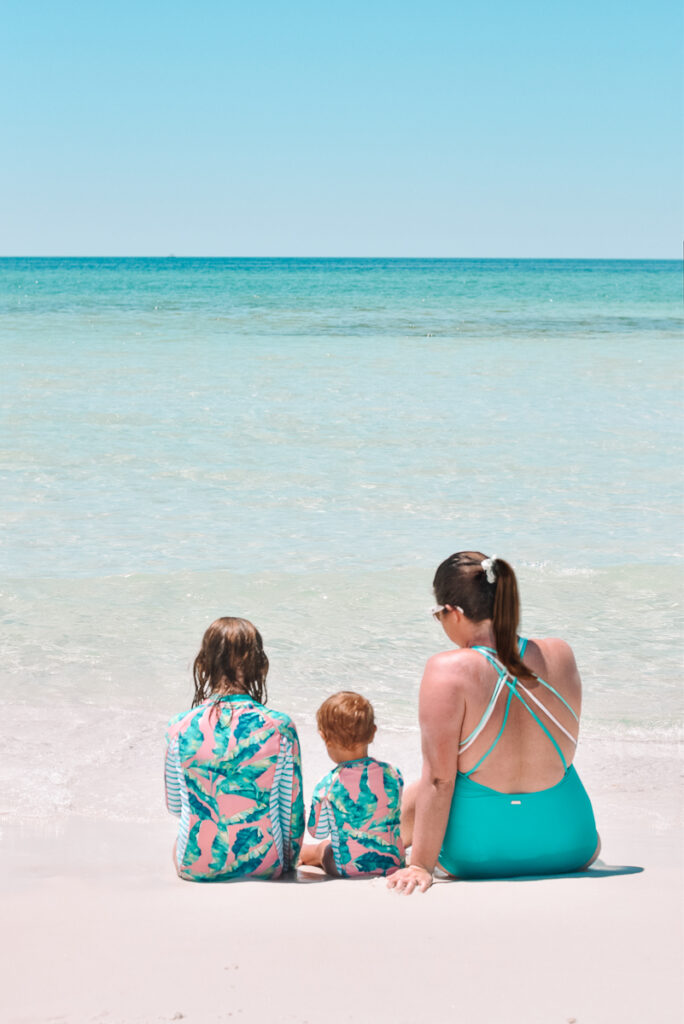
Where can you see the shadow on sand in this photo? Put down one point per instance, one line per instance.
(597, 870)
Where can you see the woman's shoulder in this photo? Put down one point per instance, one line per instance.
(553, 660)
(456, 665)
(452, 673)
(552, 650)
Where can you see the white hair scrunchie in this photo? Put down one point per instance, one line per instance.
(488, 566)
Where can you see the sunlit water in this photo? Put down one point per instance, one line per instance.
(301, 442)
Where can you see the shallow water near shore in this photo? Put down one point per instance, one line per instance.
(301, 442)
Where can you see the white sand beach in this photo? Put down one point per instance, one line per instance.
(98, 928)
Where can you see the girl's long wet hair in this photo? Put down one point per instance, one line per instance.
(231, 660)
(461, 580)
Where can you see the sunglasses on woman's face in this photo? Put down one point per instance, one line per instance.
(437, 609)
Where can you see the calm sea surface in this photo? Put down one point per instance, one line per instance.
(301, 442)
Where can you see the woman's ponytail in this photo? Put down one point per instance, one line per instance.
(485, 588)
(505, 618)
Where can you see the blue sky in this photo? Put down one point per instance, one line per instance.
(433, 128)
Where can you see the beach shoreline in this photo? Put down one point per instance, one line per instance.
(103, 930)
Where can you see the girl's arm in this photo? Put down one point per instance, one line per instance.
(298, 816)
(441, 710)
(173, 773)
(290, 797)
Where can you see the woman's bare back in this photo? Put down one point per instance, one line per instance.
(524, 759)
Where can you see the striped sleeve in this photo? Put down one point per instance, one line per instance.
(173, 774)
(321, 821)
(324, 822)
(287, 807)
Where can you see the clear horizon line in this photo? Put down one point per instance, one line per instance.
(195, 256)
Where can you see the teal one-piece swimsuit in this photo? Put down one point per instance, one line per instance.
(503, 835)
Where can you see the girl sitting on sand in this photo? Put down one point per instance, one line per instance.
(358, 803)
(233, 768)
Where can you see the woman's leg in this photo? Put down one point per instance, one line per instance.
(408, 814)
(593, 857)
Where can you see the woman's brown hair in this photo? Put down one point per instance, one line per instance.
(231, 660)
(461, 580)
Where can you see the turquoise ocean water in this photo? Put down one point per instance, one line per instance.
(301, 442)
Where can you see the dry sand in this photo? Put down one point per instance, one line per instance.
(98, 928)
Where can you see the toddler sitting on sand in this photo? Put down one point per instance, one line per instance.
(358, 803)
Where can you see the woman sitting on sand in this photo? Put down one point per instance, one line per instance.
(498, 796)
(233, 767)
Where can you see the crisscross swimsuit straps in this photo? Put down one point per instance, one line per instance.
(514, 687)
(501, 835)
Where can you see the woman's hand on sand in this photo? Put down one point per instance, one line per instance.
(409, 878)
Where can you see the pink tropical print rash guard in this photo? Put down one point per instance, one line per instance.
(234, 777)
(358, 804)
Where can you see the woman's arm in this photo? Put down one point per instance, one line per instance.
(441, 709)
